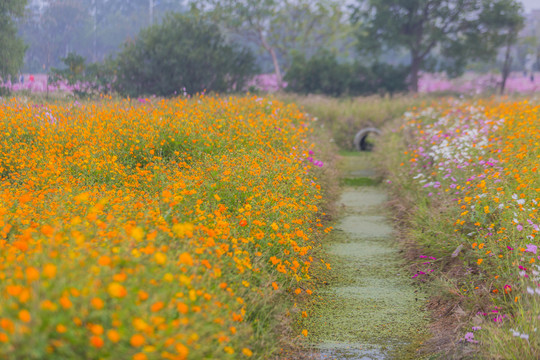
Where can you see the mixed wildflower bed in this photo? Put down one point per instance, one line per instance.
(152, 229)
(482, 159)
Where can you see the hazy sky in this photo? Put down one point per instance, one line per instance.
(531, 4)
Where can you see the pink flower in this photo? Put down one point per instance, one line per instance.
(532, 248)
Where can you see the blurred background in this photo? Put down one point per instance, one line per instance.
(323, 47)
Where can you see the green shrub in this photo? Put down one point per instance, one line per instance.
(323, 74)
(84, 79)
(379, 78)
(182, 55)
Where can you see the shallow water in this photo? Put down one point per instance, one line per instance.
(372, 309)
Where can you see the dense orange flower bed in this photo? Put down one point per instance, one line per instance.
(159, 229)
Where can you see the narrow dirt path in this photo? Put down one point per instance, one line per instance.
(371, 308)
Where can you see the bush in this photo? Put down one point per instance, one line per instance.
(323, 74)
(379, 78)
(182, 55)
(84, 79)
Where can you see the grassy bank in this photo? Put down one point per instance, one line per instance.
(344, 117)
(466, 178)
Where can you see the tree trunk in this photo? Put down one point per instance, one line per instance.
(415, 69)
(271, 51)
(506, 66)
(277, 70)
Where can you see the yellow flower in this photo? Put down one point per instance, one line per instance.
(160, 258)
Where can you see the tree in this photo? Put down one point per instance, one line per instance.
(504, 21)
(324, 74)
(12, 48)
(183, 54)
(92, 28)
(278, 26)
(454, 29)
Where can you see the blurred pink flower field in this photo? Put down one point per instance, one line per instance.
(470, 83)
(265, 82)
(36, 83)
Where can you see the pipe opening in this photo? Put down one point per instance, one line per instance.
(362, 140)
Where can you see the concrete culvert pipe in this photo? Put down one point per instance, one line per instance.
(360, 139)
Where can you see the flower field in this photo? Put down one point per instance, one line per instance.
(482, 161)
(162, 229)
(472, 83)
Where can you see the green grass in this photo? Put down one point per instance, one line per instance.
(344, 117)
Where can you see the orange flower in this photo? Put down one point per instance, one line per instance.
(143, 295)
(65, 302)
(104, 261)
(96, 329)
(24, 316)
(186, 259)
(182, 308)
(247, 352)
(182, 351)
(61, 329)
(49, 270)
(97, 303)
(96, 341)
(113, 335)
(140, 356)
(157, 306)
(137, 340)
(116, 290)
(47, 230)
(32, 274)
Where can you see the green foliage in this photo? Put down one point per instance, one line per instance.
(86, 80)
(379, 78)
(183, 54)
(457, 30)
(504, 20)
(12, 47)
(323, 74)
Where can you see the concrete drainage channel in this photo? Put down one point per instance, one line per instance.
(371, 308)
